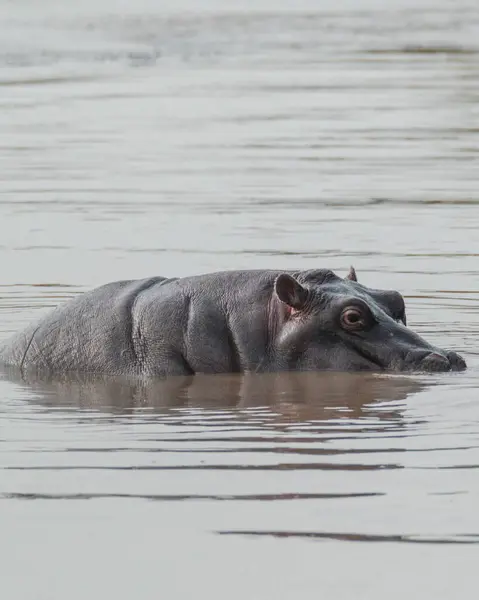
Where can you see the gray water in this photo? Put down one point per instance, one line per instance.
(171, 138)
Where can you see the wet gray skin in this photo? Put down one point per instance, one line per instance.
(232, 321)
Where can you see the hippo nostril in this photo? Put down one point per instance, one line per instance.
(436, 362)
(457, 362)
(436, 356)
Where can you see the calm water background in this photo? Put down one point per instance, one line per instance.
(144, 138)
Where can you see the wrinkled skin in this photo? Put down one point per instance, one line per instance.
(234, 321)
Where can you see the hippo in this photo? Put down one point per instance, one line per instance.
(242, 321)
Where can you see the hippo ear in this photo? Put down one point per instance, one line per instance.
(290, 291)
(352, 274)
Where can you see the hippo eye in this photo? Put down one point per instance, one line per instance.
(353, 319)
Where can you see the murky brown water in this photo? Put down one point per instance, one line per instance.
(143, 139)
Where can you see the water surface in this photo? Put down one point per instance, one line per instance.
(148, 138)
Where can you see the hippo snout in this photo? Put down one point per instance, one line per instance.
(457, 362)
(436, 361)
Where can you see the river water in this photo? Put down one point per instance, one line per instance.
(171, 138)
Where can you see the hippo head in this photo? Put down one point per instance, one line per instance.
(332, 323)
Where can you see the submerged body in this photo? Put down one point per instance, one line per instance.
(231, 321)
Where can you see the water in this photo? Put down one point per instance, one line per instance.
(145, 138)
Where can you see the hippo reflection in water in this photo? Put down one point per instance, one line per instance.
(283, 397)
(226, 322)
